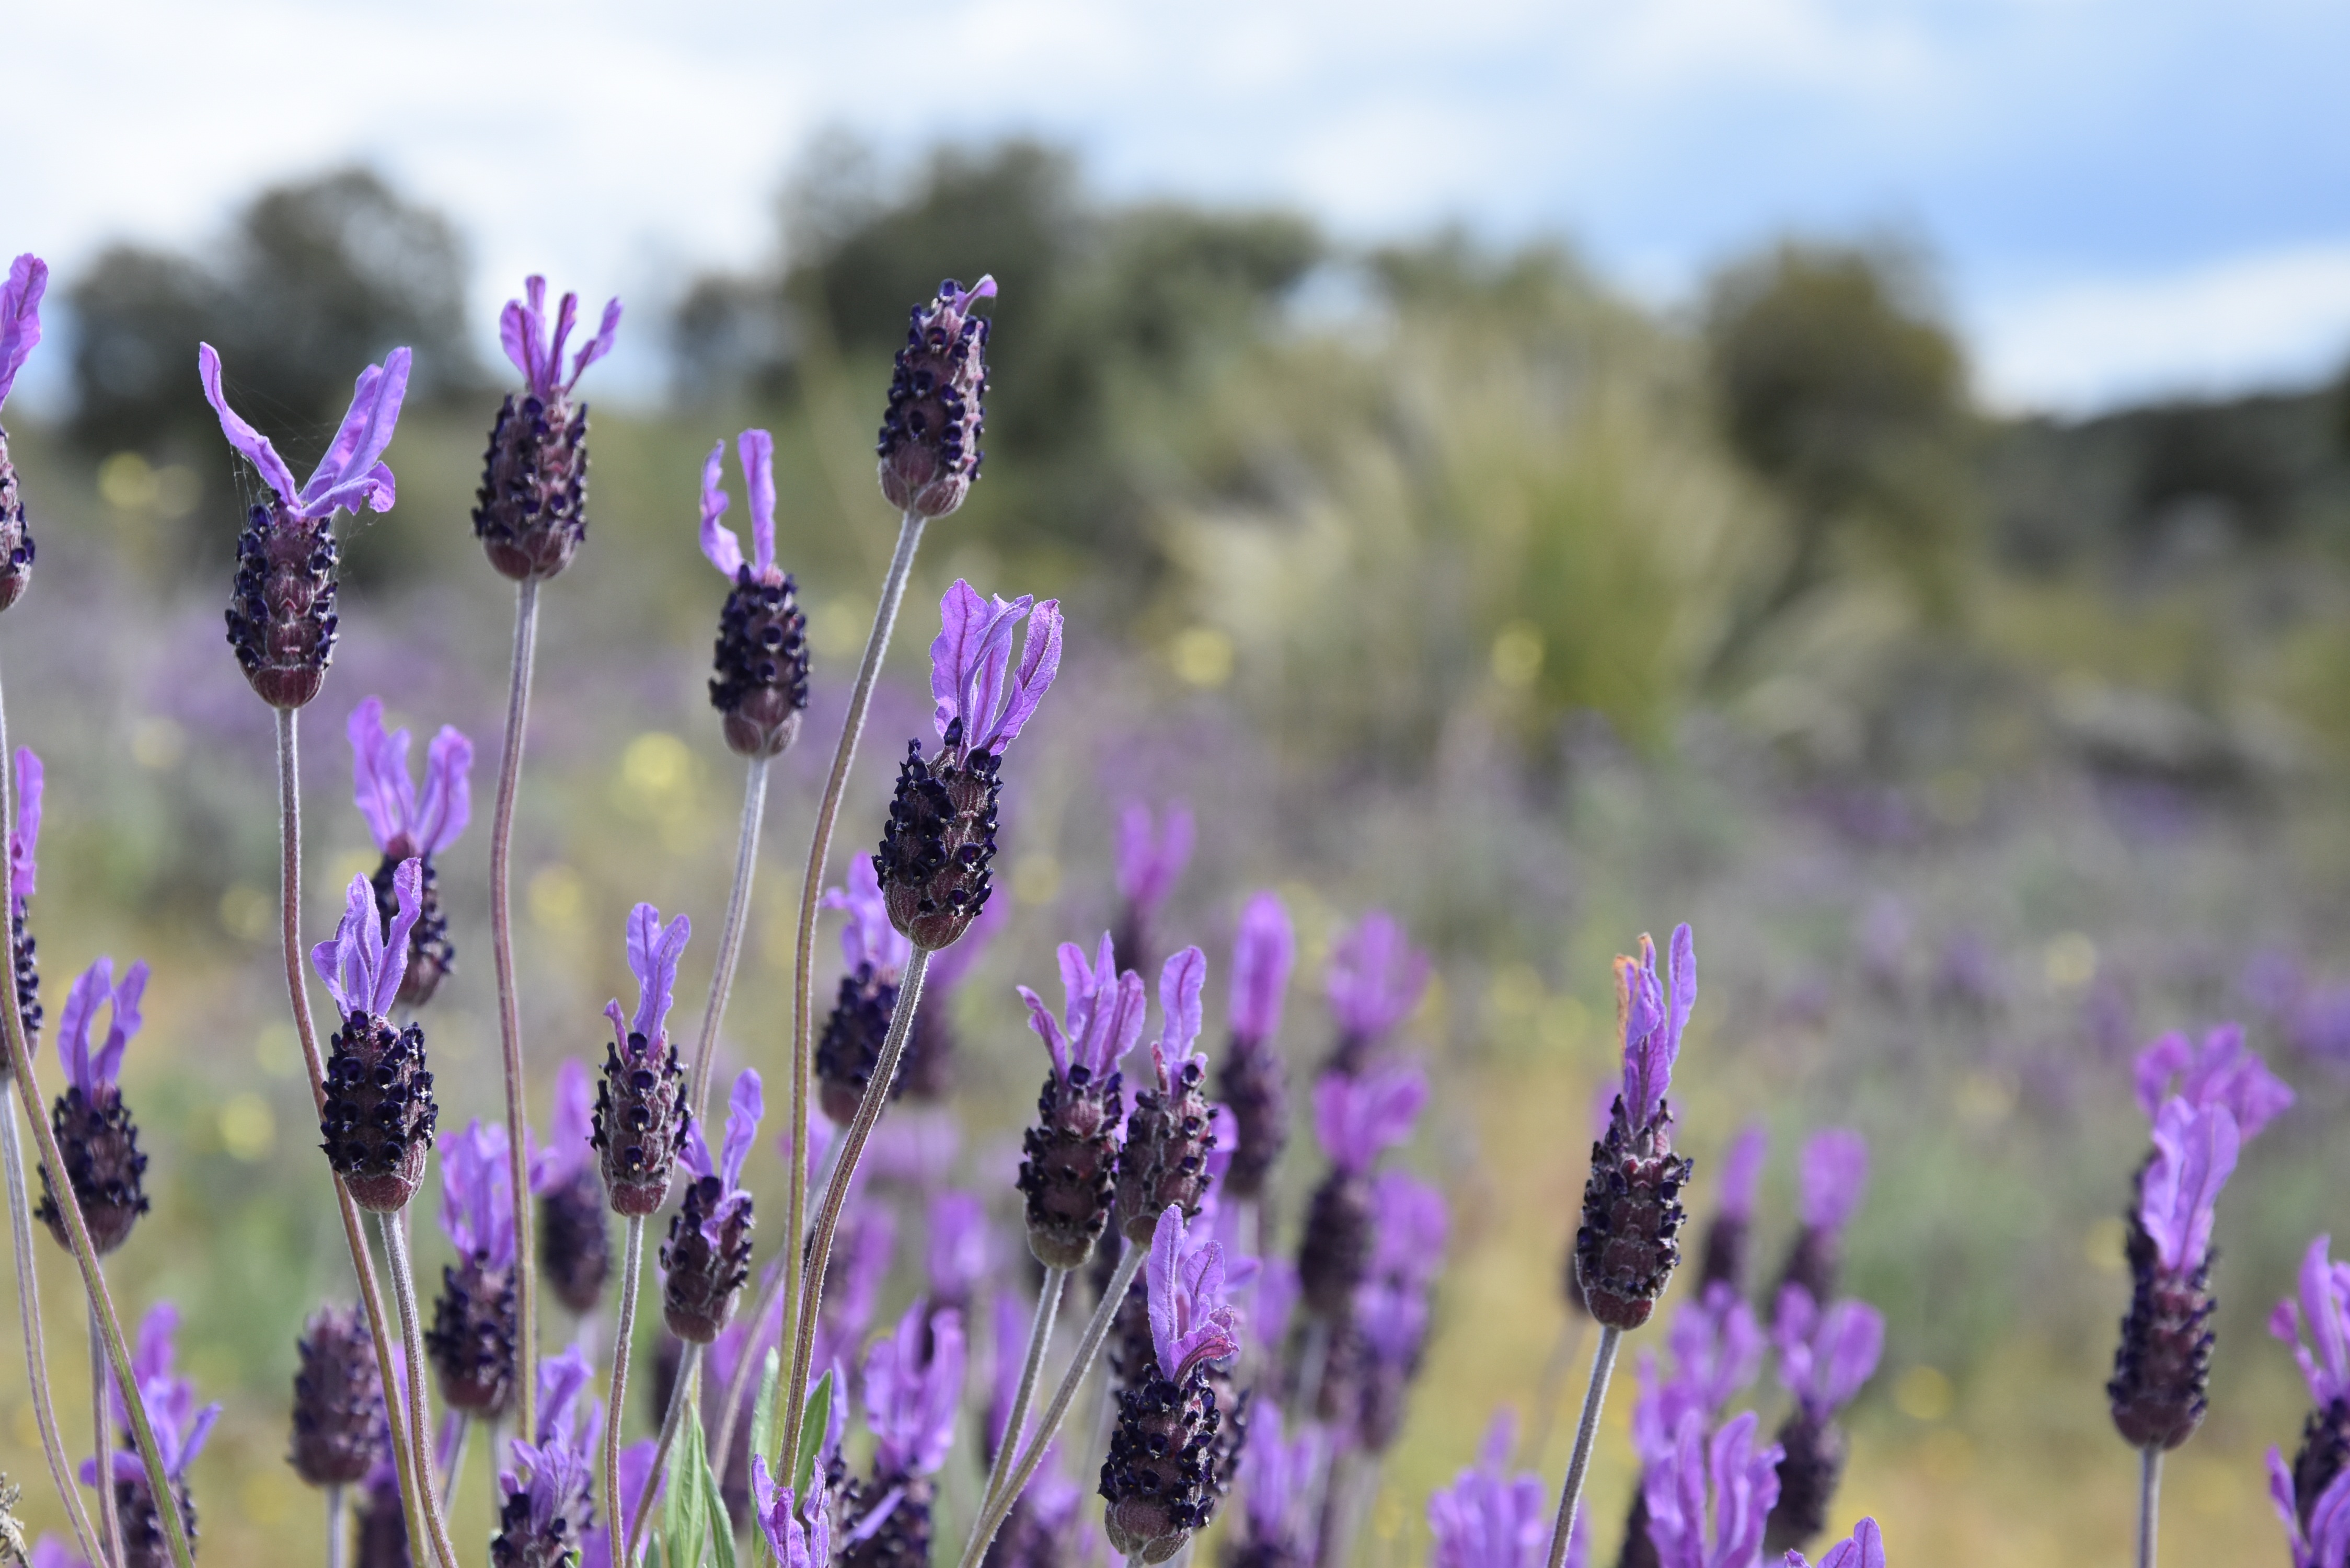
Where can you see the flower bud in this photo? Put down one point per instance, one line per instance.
(849, 1049)
(1161, 1481)
(708, 1258)
(641, 1123)
(1164, 1159)
(1628, 1246)
(339, 1411)
(939, 842)
(929, 445)
(475, 1329)
(281, 615)
(1067, 1163)
(761, 685)
(378, 1122)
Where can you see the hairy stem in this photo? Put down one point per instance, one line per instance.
(632, 1257)
(835, 1191)
(102, 1440)
(738, 1386)
(525, 645)
(2149, 1503)
(836, 784)
(454, 1471)
(36, 1351)
(1594, 1399)
(680, 1399)
(1040, 1334)
(419, 1416)
(93, 1278)
(339, 1545)
(730, 935)
(992, 1516)
(314, 1062)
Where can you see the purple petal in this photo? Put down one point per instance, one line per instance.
(744, 1106)
(1262, 953)
(1150, 860)
(1041, 1019)
(757, 450)
(1180, 982)
(1742, 1171)
(2323, 1315)
(653, 954)
(1376, 978)
(2156, 1066)
(966, 623)
(448, 803)
(719, 544)
(518, 336)
(1853, 1339)
(105, 1067)
(351, 474)
(596, 348)
(868, 937)
(695, 1153)
(25, 843)
(1161, 1286)
(566, 315)
(2195, 1151)
(92, 986)
(1834, 1169)
(408, 887)
(243, 436)
(1359, 1118)
(20, 315)
(1040, 660)
(379, 784)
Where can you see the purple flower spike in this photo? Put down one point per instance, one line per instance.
(1651, 1023)
(20, 315)
(794, 1543)
(1411, 1225)
(744, 1107)
(477, 1195)
(2194, 1153)
(550, 1484)
(1708, 1506)
(1103, 1013)
(1263, 955)
(350, 475)
(971, 658)
(402, 823)
(522, 332)
(640, 1113)
(719, 545)
(181, 1427)
(911, 1399)
(2318, 1326)
(1825, 1356)
(1277, 1482)
(2223, 1071)
(1835, 1168)
(1375, 980)
(929, 445)
(1189, 1321)
(1488, 1518)
(1864, 1548)
(868, 937)
(1151, 857)
(362, 966)
(1357, 1119)
(1717, 1348)
(1742, 1171)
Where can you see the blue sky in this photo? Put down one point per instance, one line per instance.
(2126, 197)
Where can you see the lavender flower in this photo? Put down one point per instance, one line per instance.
(940, 838)
(1357, 1119)
(1864, 1548)
(1150, 859)
(20, 330)
(549, 1508)
(1723, 1259)
(24, 873)
(1628, 1244)
(1278, 1480)
(405, 827)
(911, 1400)
(2224, 1072)
(1823, 1359)
(1833, 1171)
(1378, 1355)
(1255, 1079)
(575, 1242)
(2162, 1368)
(1066, 1168)
(2318, 1329)
(641, 1117)
(875, 955)
(1376, 978)
(339, 1431)
(1717, 1348)
(1164, 1159)
(94, 1128)
(707, 1253)
(1490, 1519)
(962, 1251)
(531, 512)
(475, 1328)
(281, 616)
(378, 1120)
(795, 1543)
(760, 687)
(1709, 1502)
(929, 434)
(1159, 1480)
(180, 1428)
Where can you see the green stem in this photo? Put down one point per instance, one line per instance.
(1587, 1432)
(419, 1415)
(2149, 1503)
(36, 1351)
(525, 645)
(681, 1399)
(730, 935)
(632, 1258)
(1040, 1334)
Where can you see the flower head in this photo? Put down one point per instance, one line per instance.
(929, 445)
(2194, 1153)
(744, 1105)
(96, 1073)
(1376, 976)
(363, 965)
(653, 954)
(1651, 1011)
(20, 315)
(971, 660)
(1834, 1169)
(2318, 1326)
(962, 1250)
(1708, 1501)
(1101, 1018)
(25, 842)
(1489, 1518)
(2223, 1071)
(1151, 856)
(866, 938)
(2324, 1541)
(911, 1399)
(350, 475)
(402, 823)
(1864, 1548)
(756, 449)
(181, 1427)
(777, 1512)
(477, 1194)
(1262, 953)
(567, 1151)
(522, 332)
(550, 1483)
(1825, 1356)
(1277, 1480)
(1190, 1320)
(1741, 1172)
(1717, 1349)
(1359, 1118)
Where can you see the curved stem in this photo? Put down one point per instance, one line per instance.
(852, 727)
(730, 935)
(1040, 1334)
(835, 1191)
(525, 645)
(992, 1516)
(632, 1258)
(738, 1386)
(680, 1399)
(85, 1256)
(314, 1062)
(419, 1416)
(1594, 1398)
(36, 1351)
(2149, 1503)
(101, 1429)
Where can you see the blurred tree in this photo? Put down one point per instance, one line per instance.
(139, 314)
(1834, 381)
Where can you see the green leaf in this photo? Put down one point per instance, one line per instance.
(685, 1519)
(813, 1419)
(763, 1411)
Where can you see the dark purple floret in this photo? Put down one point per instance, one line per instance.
(94, 1128)
(379, 1118)
(708, 1254)
(1169, 1134)
(575, 1239)
(642, 1116)
(1628, 1243)
(339, 1414)
(1824, 1357)
(1069, 1156)
(1162, 1480)
(2162, 1367)
(913, 1394)
(548, 1512)
(849, 1048)
(531, 513)
(1811, 1465)
(2317, 1326)
(929, 445)
(475, 1328)
(24, 874)
(760, 686)
(20, 330)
